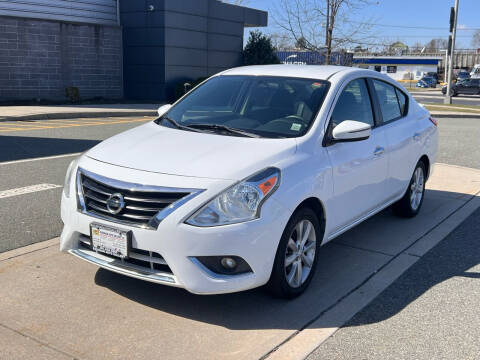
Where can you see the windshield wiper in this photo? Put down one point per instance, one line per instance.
(217, 127)
(177, 125)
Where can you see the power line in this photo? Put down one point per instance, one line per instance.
(413, 27)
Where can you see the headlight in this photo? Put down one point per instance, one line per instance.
(239, 203)
(68, 177)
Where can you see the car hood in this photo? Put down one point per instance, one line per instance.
(156, 148)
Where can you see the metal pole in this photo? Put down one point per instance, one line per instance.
(445, 67)
(448, 96)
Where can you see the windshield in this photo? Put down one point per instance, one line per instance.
(261, 105)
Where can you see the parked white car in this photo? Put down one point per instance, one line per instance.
(240, 182)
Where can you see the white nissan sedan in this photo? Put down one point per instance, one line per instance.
(241, 181)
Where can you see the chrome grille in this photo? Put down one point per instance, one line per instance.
(144, 206)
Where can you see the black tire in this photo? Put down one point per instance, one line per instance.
(404, 207)
(278, 285)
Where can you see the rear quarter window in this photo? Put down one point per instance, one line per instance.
(393, 102)
(402, 101)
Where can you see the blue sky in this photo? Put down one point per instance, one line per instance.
(424, 13)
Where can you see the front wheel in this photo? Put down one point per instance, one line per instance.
(409, 205)
(297, 255)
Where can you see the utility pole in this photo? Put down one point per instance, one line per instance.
(327, 34)
(453, 30)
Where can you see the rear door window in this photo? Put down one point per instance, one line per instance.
(389, 101)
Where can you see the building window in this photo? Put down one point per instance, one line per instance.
(378, 68)
(391, 69)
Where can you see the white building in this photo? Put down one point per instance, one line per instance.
(399, 67)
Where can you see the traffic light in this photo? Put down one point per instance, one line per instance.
(452, 18)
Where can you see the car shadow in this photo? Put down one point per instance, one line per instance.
(341, 270)
(26, 147)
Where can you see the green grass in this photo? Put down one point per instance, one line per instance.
(453, 107)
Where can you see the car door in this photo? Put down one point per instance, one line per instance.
(474, 86)
(403, 139)
(359, 168)
(462, 87)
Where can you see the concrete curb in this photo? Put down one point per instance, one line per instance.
(75, 115)
(456, 115)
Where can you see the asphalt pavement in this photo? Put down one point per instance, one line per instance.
(430, 312)
(436, 97)
(38, 152)
(34, 216)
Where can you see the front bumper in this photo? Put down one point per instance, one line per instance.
(179, 243)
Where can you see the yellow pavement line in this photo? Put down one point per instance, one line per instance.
(10, 125)
(9, 129)
(69, 121)
(74, 125)
(49, 122)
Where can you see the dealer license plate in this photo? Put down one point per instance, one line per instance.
(110, 241)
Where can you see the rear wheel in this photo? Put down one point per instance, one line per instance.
(412, 201)
(297, 254)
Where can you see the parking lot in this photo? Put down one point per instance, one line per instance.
(436, 97)
(56, 306)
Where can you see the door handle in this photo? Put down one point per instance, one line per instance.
(378, 151)
(416, 136)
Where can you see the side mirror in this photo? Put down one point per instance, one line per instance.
(350, 130)
(163, 109)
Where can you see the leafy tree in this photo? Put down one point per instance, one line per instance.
(259, 50)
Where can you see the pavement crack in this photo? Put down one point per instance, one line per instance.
(363, 249)
(28, 252)
(39, 342)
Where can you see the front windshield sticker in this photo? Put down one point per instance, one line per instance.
(296, 127)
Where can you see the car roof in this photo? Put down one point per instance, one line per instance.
(321, 72)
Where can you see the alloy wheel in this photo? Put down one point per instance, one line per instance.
(300, 253)
(416, 188)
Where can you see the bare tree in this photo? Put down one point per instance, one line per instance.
(476, 38)
(323, 24)
(281, 41)
(417, 47)
(435, 45)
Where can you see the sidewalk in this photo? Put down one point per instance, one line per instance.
(15, 113)
(55, 306)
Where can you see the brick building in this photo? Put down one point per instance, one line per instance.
(137, 49)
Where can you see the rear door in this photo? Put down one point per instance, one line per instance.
(359, 167)
(462, 87)
(403, 141)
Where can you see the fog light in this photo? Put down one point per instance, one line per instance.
(224, 264)
(228, 263)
